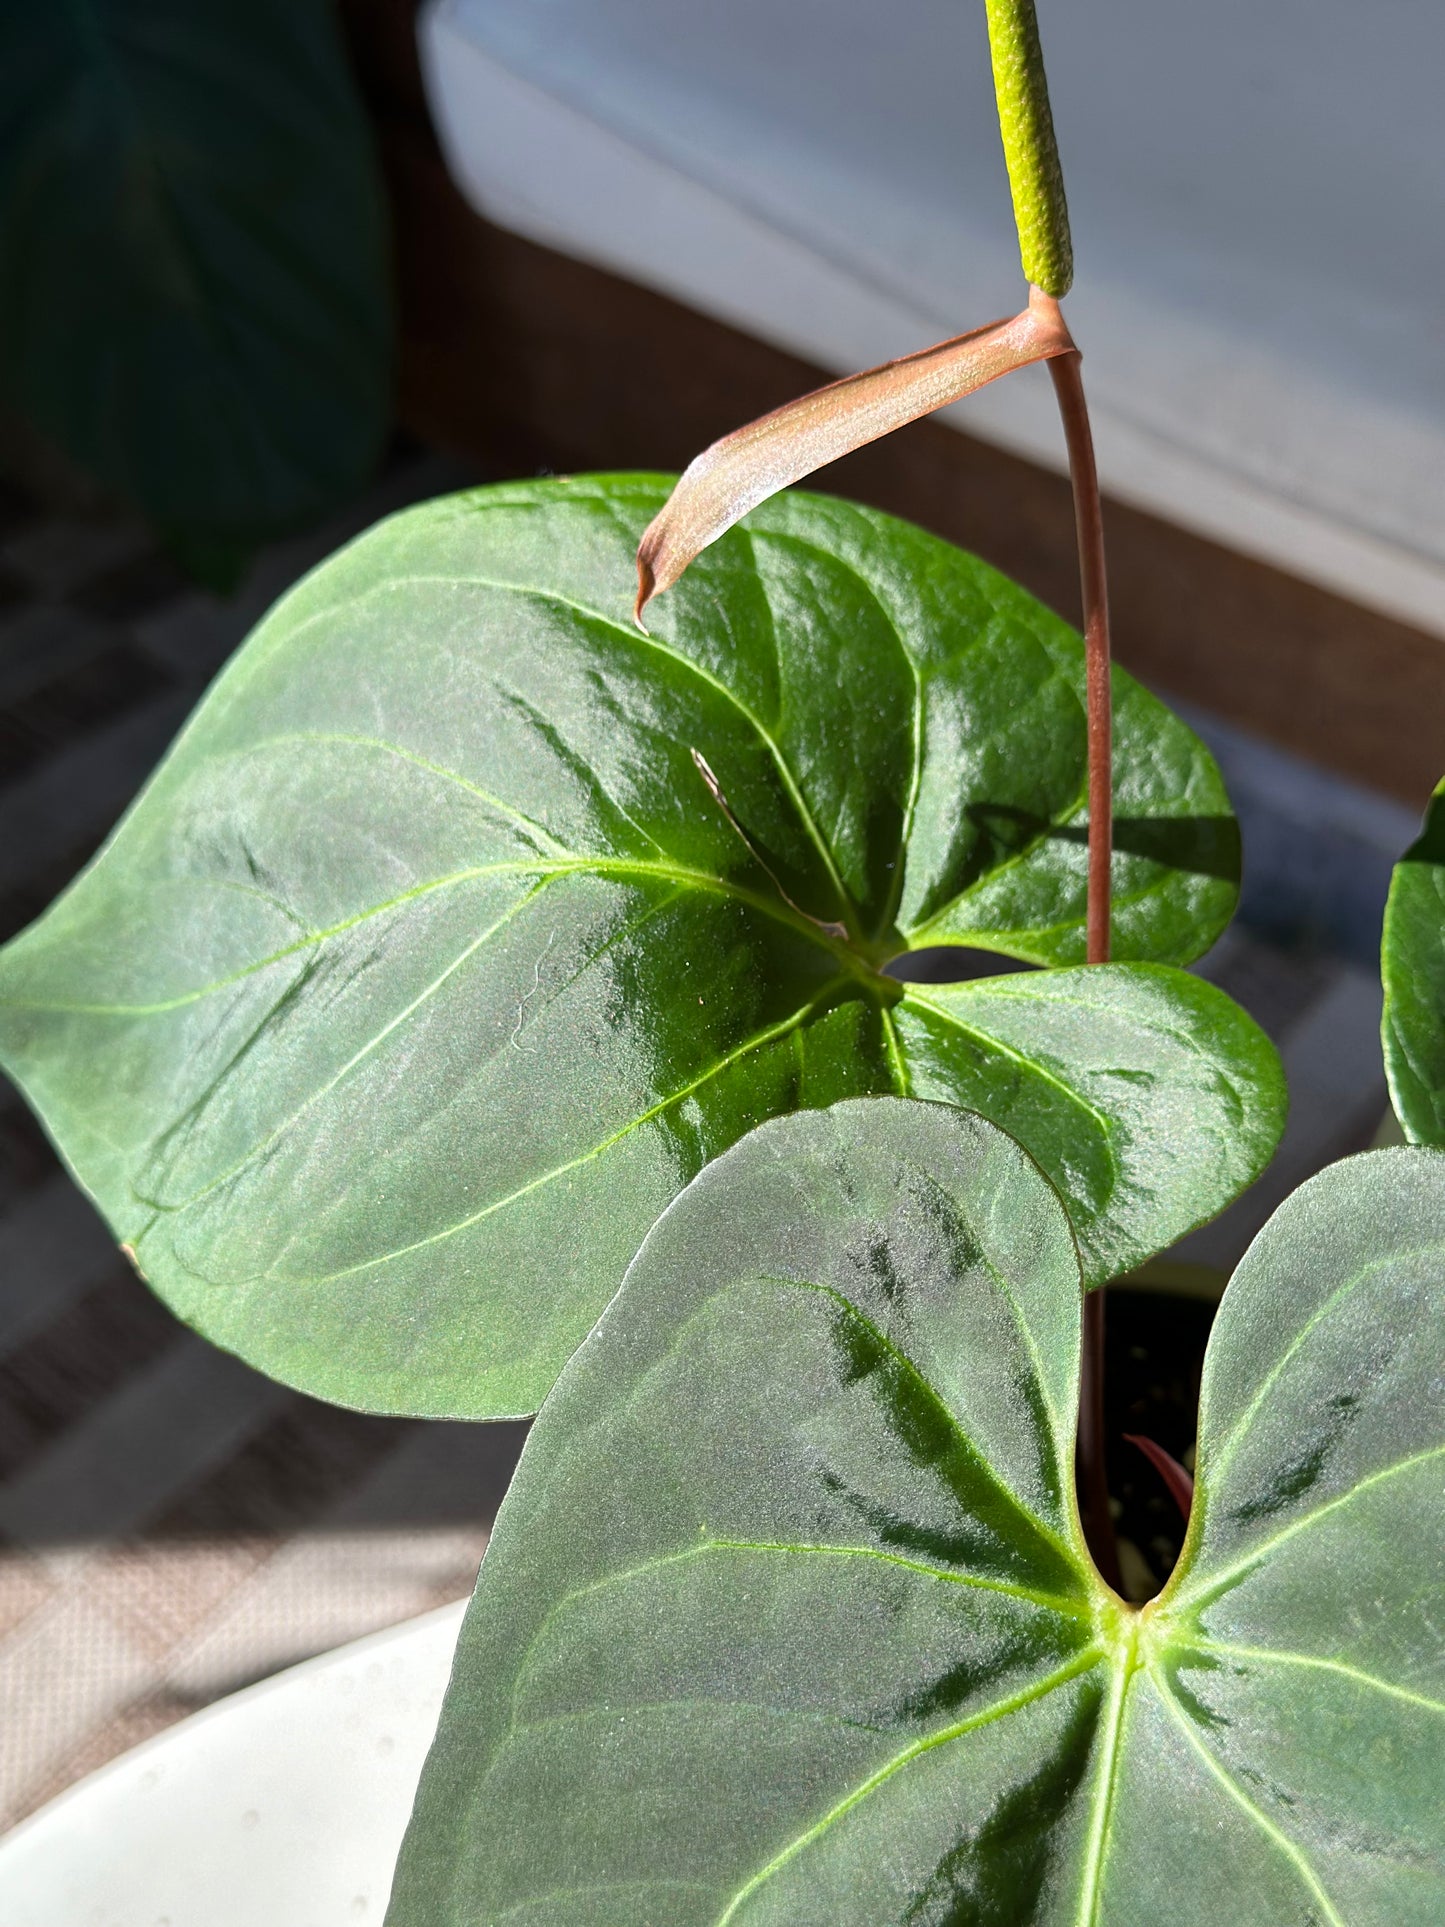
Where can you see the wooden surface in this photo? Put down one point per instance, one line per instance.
(526, 360)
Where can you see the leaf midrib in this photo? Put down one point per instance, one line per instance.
(913, 995)
(635, 636)
(1057, 1543)
(1106, 1784)
(547, 871)
(790, 538)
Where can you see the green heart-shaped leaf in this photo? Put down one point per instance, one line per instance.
(1412, 964)
(193, 261)
(432, 964)
(787, 1617)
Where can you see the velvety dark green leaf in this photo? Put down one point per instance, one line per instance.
(193, 281)
(1412, 963)
(431, 966)
(787, 1617)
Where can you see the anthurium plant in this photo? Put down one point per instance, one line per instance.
(506, 998)
(465, 923)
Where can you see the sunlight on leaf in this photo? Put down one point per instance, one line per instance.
(464, 924)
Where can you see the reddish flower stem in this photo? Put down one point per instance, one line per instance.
(1093, 583)
(1094, 586)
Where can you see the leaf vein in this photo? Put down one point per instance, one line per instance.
(1217, 1462)
(1276, 1835)
(993, 1043)
(756, 1042)
(1091, 1891)
(1228, 1574)
(901, 1359)
(638, 638)
(1270, 1654)
(1015, 1703)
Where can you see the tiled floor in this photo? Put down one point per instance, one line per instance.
(172, 1525)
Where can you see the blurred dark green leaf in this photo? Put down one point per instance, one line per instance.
(787, 1617)
(194, 298)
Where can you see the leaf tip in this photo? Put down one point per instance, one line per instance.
(646, 575)
(1178, 1483)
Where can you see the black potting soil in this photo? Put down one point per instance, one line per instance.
(1154, 1352)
